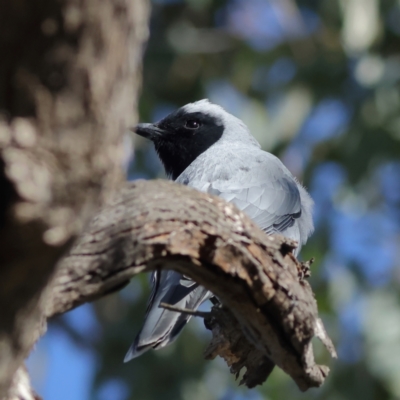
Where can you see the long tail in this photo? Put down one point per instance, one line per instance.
(161, 326)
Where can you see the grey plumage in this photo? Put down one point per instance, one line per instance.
(231, 165)
(161, 326)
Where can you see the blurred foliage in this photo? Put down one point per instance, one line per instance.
(317, 82)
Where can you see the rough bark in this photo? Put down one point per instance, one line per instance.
(69, 75)
(269, 315)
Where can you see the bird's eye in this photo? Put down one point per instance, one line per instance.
(192, 124)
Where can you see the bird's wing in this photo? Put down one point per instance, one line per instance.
(266, 192)
(162, 326)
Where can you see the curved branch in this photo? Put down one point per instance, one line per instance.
(268, 310)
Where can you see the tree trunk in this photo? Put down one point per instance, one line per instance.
(69, 78)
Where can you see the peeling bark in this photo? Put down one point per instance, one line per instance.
(269, 315)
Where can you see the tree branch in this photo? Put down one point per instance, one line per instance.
(187, 311)
(269, 315)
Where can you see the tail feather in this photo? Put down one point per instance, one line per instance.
(161, 326)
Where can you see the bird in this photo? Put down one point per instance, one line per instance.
(203, 146)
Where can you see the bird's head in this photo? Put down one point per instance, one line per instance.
(188, 132)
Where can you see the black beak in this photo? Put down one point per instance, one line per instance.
(149, 131)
